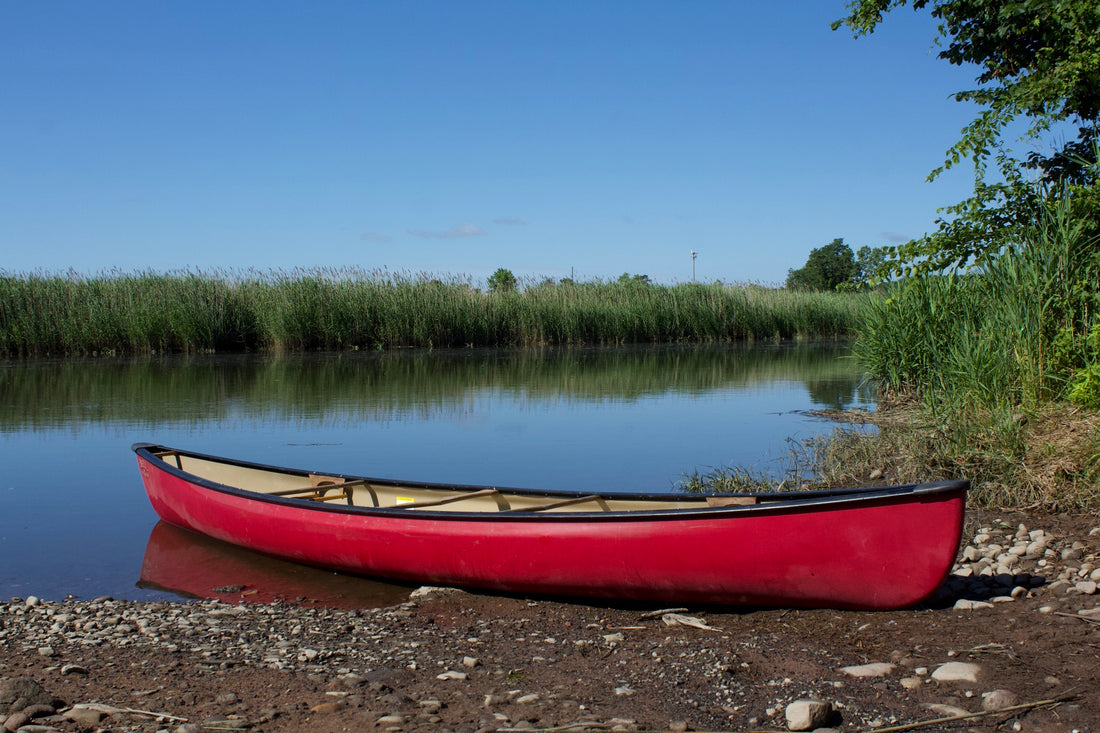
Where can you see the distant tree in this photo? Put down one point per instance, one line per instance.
(502, 281)
(1037, 65)
(627, 279)
(826, 268)
(871, 266)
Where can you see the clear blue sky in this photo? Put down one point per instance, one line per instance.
(453, 138)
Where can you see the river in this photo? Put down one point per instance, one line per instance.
(74, 519)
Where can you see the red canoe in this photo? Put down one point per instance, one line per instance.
(873, 548)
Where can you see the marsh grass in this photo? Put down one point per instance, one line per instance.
(803, 469)
(300, 310)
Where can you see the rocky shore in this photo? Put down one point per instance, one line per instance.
(1011, 643)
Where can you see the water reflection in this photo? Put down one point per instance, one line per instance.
(380, 387)
(194, 566)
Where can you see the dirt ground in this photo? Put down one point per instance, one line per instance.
(465, 661)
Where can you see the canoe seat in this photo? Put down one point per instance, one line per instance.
(559, 504)
(730, 500)
(164, 455)
(322, 485)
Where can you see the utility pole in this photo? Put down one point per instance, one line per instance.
(693, 254)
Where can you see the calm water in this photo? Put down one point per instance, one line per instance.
(74, 518)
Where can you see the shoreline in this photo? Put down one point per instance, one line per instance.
(1017, 606)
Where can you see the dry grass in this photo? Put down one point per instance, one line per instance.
(1044, 461)
(1047, 460)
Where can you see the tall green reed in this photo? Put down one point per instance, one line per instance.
(44, 314)
(1010, 334)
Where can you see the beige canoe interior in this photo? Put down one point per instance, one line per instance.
(362, 492)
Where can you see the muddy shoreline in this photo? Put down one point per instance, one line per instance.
(1018, 621)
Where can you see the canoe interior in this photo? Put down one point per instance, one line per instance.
(385, 494)
(379, 493)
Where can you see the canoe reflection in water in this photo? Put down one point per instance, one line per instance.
(195, 566)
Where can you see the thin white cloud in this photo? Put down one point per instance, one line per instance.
(465, 229)
(375, 237)
(510, 221)
(894, 237)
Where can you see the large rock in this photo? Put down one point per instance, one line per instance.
(808, 714)
(85, 715)
(957, 672)
(998, 700)
(874, 669)
(17, 693)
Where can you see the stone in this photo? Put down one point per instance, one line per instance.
(39, 711)
(911, 683)
(998, 700)
(1088, 587)
(528, 699)
(432, 590)
(807, 714)
(947, 711)
(875, 669)
(452, 675)
(957, 672)
(16, 721)
(17, 693)
(965, 604)
(84, 715)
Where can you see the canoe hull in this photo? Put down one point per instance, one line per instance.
(874, 553)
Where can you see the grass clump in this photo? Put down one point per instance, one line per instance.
(116, 313)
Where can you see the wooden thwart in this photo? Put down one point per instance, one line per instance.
(557, 504)
(448, 499)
